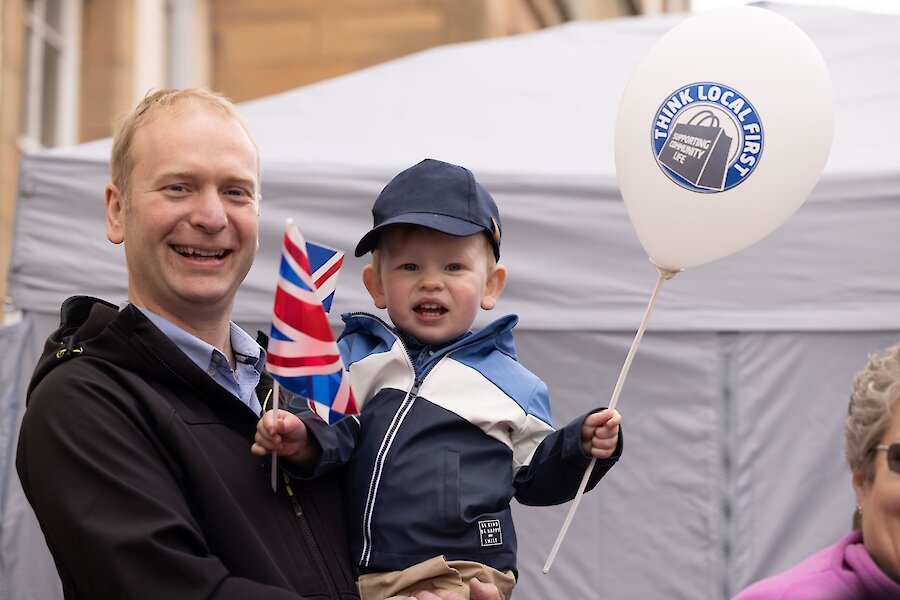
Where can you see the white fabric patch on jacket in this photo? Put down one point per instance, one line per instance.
(467, 393)
(375, 372)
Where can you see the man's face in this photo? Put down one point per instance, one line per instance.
(433, 284)
(191, 226)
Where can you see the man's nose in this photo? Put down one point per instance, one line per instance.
(209, 212)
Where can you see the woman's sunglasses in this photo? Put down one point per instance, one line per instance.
(893, 455)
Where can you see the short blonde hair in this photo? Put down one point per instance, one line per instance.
(154, 104)
(402, 230)
(873, 403)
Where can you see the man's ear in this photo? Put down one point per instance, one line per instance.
(115, 228)
(373, 283)
(493, 287)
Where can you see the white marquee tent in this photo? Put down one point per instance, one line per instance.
(734, 408)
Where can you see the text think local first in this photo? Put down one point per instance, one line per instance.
(713, 94)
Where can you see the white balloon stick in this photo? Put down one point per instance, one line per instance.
(664, 274)
(274, 420)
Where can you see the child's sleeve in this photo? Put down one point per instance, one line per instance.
(337, 441)
(552, 473)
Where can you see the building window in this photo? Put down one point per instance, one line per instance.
(50, 90)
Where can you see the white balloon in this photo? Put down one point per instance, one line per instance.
(769, 125)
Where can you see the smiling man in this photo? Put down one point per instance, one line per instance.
(185, 202)
(134, 448)
(186, 206)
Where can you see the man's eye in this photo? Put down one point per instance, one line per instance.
(237, 192)
(176, 187)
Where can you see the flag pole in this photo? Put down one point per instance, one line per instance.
(664, 275)
(301, 331)
(274, 412)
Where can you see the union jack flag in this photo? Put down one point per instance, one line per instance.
(303, 355)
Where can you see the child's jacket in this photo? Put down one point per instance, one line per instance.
(442, 447)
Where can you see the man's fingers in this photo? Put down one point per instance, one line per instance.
(483, 591)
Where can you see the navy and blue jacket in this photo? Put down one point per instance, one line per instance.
(443, 444)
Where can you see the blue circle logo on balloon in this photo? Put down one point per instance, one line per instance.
(707, 137)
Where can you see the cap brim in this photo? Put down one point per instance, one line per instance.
(442, 223)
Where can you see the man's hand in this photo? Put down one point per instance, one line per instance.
(600, 433)
(477, 590)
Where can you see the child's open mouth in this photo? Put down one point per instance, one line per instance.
(430, 310)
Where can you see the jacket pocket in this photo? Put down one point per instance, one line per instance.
(451, 514)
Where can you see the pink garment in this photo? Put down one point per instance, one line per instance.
(843, 571)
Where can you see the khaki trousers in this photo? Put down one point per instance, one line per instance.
(434, 574)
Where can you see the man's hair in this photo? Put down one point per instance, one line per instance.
(154, 104)
(404, 230)
(873, 402)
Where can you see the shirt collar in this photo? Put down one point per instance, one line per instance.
(245, 348)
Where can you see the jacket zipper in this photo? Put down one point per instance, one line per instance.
(310, 539)
(378, 468)
(306, 530)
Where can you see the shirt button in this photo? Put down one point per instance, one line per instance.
(211, 371)
(216, 358)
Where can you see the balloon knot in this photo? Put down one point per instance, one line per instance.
(665, 272)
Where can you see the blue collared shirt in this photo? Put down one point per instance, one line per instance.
(249, 358)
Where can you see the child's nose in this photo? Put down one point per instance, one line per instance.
(432, 281)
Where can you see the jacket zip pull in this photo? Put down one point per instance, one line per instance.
(298, 511)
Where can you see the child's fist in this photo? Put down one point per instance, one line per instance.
(600, 433)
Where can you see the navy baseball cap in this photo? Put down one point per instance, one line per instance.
(439, 196)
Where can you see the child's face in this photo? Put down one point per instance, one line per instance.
(431, 283)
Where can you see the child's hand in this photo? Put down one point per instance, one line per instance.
(287, 436)
(600, 433)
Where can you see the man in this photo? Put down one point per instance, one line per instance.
(134, 448)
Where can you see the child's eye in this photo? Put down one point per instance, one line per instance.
(454, 267)
(408, 267)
